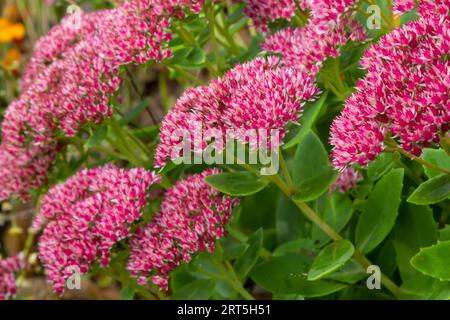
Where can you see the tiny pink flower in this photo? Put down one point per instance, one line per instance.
(8, 268)
(84, 217)
(193, 216)
(347, 179)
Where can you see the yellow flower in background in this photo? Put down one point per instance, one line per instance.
(11, 31)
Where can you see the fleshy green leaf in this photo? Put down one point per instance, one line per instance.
(127, 292)
(425, 288)
(197, 290)
(351, 272)
(258, 210)
(134, 113)
(380, 166)
(307, 120)
(97, 138)
(380, 211)
(237, 183)
(337, 213)
(437, 157)
(289, 220)
(244, 264)
(311, 174)
(444, 233)
(330, 259)
(287, 275)
(434, 261)
(415, 229)
(432, 191)
(232, 248)
(312, 188)
(300, 246)
(288, 297)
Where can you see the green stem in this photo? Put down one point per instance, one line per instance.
(123, 278)
(237, 283)
(285, 169)
(315, 218)
(395, 147)
(241, 237)
(335, 236)
(227, 276)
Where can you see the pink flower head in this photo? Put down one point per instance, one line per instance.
(23, 170)
(8, 267)
(330, 26)
(260, 94)
(426, 7)
(73, 72)
(402, 6)
(405, 94)
(264, 11)
(434, 7)
(192, 218)
(84, 217)
(348, 179)
(60, 39)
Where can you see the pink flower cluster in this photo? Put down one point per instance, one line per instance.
(8, 267)
(426, 7)
(330, 25)
(72, 74)
(405, 94)
(86, 216)
(192, 217)
(402, 6)
(434, 7)
(264, 11)
(260, 94)
(348, 179)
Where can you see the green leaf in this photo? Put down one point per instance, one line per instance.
(232, 248)
(312, 174)
(330, 259)
(422, 287)
(380, 211)
(386, 257)
(134, 113)
(437, 157)
(307, 120)
(180, 55)
(415, 229)
(289, 220)
(196, 57)
(380, 166)
(258, 210)
(304, 247)
(244, 264)
(312, 188)
(351, 272)
(434, 261)
(197, 290)
(237, 183)
(444, 233)
(97, 138)
(432, 191)
(337, 213)
(288, 297)
(127, 292)
(287, 275)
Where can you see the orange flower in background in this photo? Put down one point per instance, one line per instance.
(11, 31)
(12, 58)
